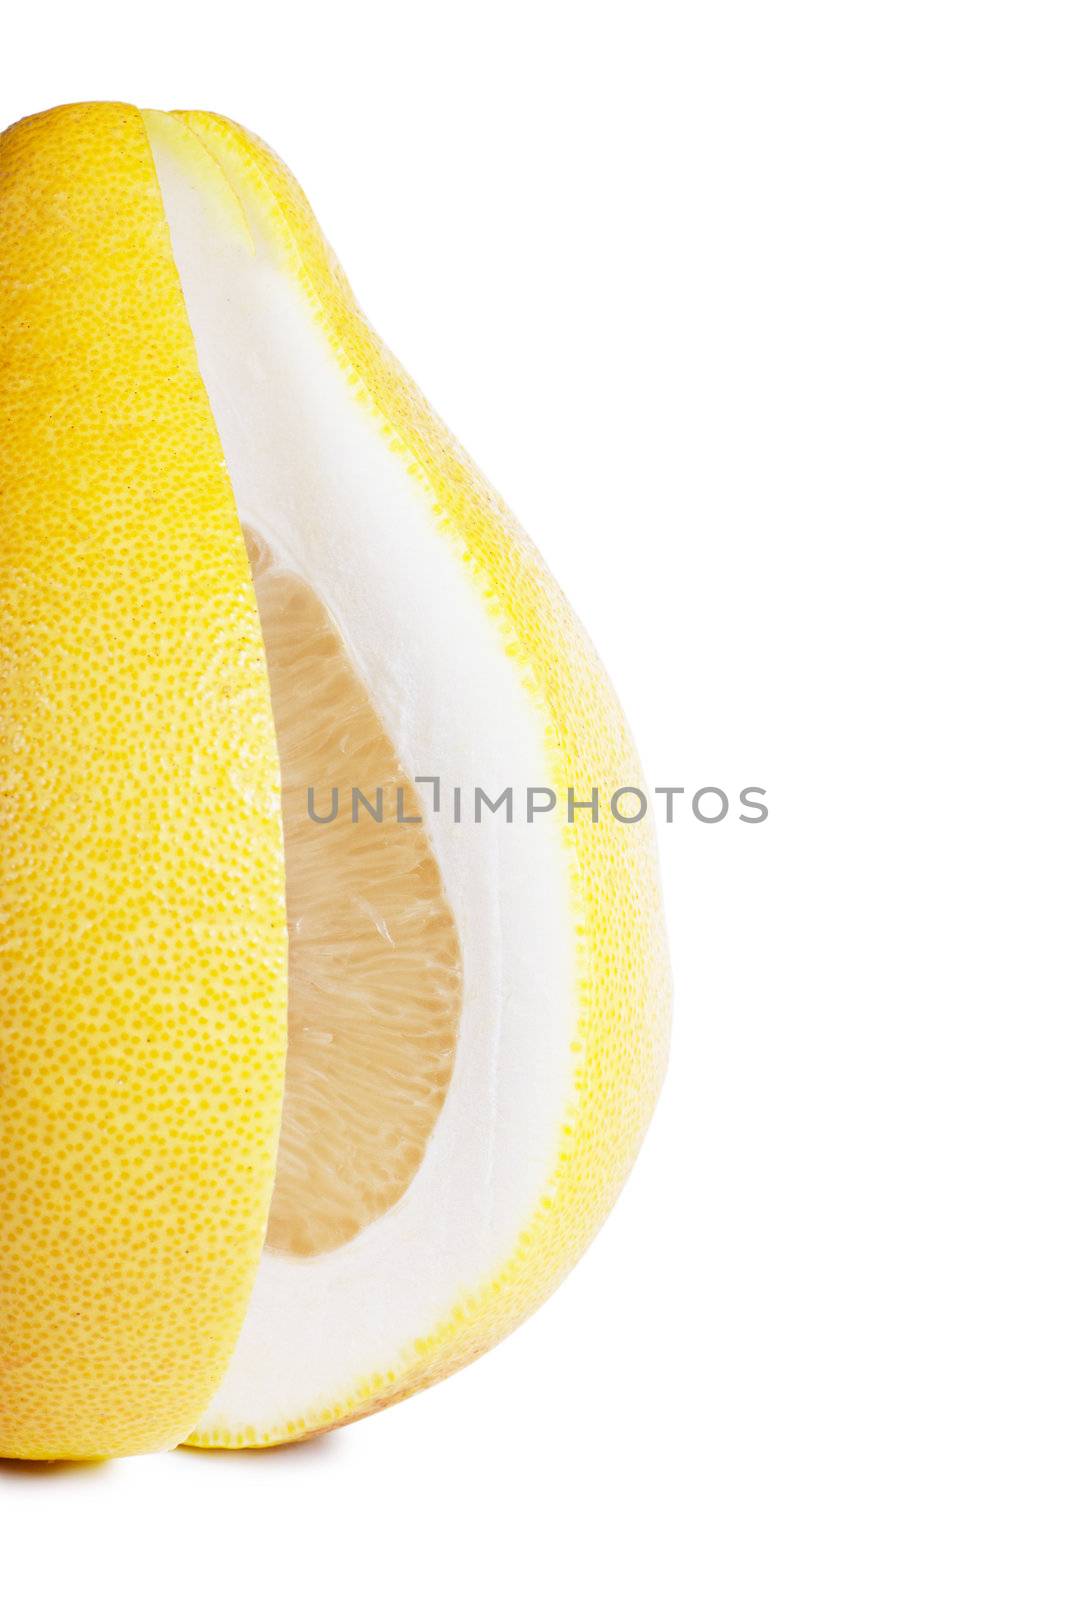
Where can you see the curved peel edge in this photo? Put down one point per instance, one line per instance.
(608, 988)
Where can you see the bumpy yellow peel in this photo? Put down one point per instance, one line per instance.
(142, 922)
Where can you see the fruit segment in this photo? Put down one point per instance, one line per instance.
(478, 673)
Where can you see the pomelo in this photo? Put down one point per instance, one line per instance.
(243, 564)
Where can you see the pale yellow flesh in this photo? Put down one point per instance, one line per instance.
(374, 962)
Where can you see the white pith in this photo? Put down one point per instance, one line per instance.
(313, 475)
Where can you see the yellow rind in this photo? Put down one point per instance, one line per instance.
(619, 1049)
(142, 920)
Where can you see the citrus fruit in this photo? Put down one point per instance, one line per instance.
(326, 1046)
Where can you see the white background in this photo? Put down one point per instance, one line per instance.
(756, 314)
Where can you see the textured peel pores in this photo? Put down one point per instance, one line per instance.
(142, 924)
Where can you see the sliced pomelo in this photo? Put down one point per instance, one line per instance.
(477, 1010)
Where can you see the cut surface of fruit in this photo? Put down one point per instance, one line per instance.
(479, 676)
(374, 961)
